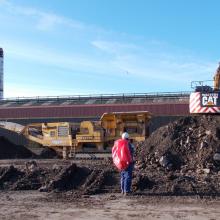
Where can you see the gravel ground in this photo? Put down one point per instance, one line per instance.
(34, 205)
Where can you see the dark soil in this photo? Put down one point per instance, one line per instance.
(8, 150)
(180, 158)
(8, 176)
(83, 180)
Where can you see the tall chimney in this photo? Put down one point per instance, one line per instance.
(1, 72)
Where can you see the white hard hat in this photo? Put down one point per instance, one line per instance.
(125, 135)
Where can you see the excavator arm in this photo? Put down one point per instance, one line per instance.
(217, 79)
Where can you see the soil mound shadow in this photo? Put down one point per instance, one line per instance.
(8, 150)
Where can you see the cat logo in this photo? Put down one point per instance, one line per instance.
(209, 99)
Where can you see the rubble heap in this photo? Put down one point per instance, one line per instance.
(182, 157)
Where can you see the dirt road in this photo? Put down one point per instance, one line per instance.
(34, 205)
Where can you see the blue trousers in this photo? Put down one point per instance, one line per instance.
(126, 179)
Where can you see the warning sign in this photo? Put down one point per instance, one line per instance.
(210, 99)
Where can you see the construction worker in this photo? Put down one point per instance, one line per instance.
(126, 175)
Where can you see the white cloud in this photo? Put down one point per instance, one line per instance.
(45, 56)
(24, 90)
(151, 63)
(44, 20)
(3, 2)
(114, 47)
(48, 21)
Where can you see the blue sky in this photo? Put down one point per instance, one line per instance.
(76, 47)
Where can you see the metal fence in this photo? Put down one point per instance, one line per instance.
(99, 97)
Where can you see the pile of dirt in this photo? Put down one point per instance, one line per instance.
(69, 178)
(8, 176)
(29, 178)
(190, 141)
(8, 150)
(84, 180)
(182, 157)
(80, 179)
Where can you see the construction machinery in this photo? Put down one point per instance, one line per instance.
(88, 137)
(206, 98)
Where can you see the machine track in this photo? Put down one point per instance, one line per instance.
(48, 163)
(90, 155)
